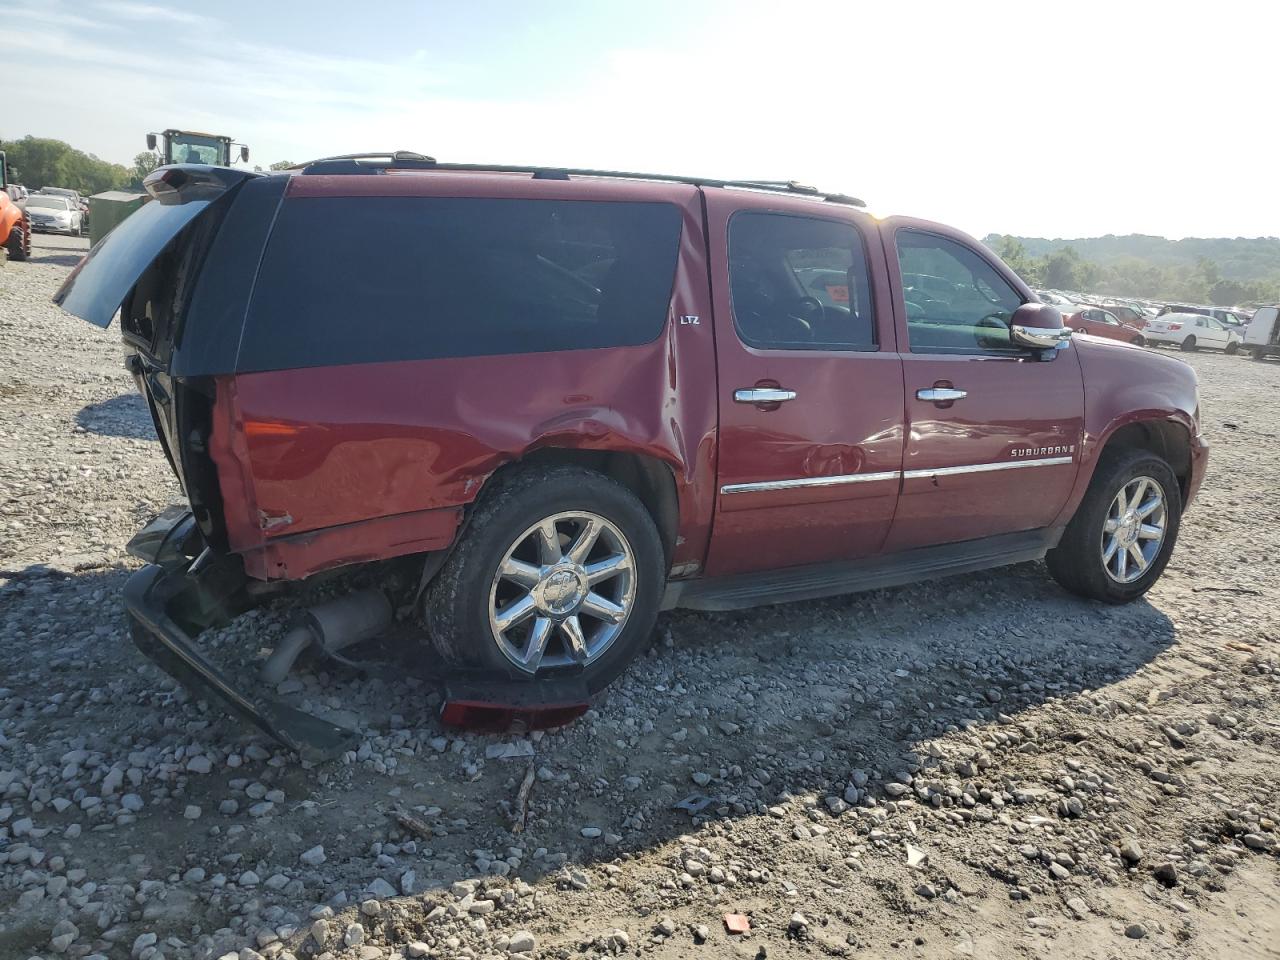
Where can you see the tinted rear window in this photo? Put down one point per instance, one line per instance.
(360, 280)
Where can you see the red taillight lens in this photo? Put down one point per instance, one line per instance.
(1175, 326)
(272, 429)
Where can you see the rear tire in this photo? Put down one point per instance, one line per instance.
(1079, 562)
(464, 602)
(1189, 345)
(1258, 353)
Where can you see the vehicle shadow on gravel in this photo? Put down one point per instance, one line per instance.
(828, 703)
(122, 416)
(55, 259)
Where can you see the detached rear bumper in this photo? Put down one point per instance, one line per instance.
(174, 598)
(170, 605)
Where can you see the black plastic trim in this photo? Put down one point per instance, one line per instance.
(377, 163)
(214, 322)
(833, 579)
(147, 597)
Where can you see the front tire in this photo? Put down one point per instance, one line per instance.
(1121, 537)
(560, 572)
(1232, 348)
(19, 243)
(1189, 345)
(1139, 342)
(1258, 353)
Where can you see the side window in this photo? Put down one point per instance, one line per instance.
(458, 277)
(1108, 318)
(956, 302)
(799, 283)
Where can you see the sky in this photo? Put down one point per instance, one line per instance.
(1032, 118)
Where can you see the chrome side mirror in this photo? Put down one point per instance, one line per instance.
(1038, 338)
(1038, 326)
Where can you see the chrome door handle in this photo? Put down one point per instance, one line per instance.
(941, 394)
(763, 395)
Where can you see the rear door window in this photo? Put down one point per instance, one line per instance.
(361, 280)
(799, 283)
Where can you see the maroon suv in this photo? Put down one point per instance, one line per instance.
(556, 402)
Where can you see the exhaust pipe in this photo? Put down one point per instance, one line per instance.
(332, 625)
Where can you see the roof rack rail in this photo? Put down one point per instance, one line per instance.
(379, 162)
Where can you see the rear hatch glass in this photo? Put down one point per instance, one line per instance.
(98, 286)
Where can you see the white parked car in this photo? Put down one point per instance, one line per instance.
(52, 213)
(1190, 331)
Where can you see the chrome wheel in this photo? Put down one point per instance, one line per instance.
(1134, 530)
(562, 592)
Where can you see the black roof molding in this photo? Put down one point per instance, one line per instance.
(380, 162)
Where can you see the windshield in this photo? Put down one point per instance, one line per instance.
(194, 148)
(54, 203)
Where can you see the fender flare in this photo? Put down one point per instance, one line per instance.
(1162, 420)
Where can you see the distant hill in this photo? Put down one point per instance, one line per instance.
(1241, 258)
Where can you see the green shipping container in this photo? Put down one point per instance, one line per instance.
(107, 210)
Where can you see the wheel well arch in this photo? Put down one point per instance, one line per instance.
(1167, 439)
(650, 479)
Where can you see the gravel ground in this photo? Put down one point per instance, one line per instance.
(980, 766)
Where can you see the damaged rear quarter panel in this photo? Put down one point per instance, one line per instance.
(327, 463)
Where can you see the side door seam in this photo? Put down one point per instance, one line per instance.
(894, 317)
(715, 375)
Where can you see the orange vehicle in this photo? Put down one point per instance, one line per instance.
(15, 229)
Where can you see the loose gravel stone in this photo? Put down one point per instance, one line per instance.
(522, 941)
(1131, 851)
(313, 857)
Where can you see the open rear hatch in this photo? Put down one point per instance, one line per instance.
(99, 284)
(155, 269)
(148, 269)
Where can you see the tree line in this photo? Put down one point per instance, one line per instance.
(37, 162)
(1198, 280)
